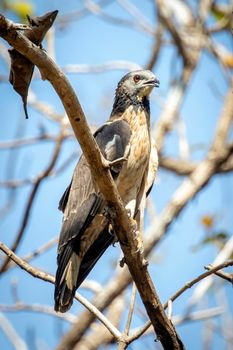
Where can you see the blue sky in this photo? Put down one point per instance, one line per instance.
(91, 40)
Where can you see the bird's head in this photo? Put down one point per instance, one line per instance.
(133, 90)
(137, 84)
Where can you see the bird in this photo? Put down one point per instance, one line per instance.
(126, 143)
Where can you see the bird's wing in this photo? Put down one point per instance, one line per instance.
(82, 204)
(81, 201)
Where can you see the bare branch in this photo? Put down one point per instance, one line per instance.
(99, 68)
(131, 307)
(166, 19)
(158, 36)
(198, 279)
(141, 20)
(202, 288)
(11, 334)
(226, 276)
(49, 278)
(140, 24)
(45, 309)
(198, 315)
(185, 167)
(193, 316)
(187, 285)
(31, 197)
(124, 228)
(100, 335)
(31, 140)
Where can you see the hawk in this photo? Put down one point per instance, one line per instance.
(125, 142)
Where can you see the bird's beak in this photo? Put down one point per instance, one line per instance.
(152, 82)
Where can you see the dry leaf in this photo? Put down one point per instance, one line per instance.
(21, 68)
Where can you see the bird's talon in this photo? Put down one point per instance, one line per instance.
(116, 162)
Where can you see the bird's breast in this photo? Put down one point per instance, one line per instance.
(130, 178)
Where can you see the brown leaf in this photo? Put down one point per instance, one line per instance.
(21, 68)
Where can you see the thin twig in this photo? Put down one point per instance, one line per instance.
(11, 334)
(131, 308)
(31, 140)
(224, 254)
(193, 316)
(100, 68)
(136, 334)
(198, 279)
(198, 315)
(226, 276)
(45, 309)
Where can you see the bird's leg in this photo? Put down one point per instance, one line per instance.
(139, 243)
(135, 224)
(118, 161)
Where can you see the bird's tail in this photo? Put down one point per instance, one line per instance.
(66, 279)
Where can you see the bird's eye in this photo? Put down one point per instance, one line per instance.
(136, 78)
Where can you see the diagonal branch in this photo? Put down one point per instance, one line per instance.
(124, 229)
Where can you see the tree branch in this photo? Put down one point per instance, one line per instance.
(45, 309)
(49, 278)
(124, 229)
(202, 288)
(185, 167)
(11, 334)
(136, 334)
(226, 276)
(32, 196)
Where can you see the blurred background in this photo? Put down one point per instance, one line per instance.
(188, 45)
